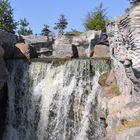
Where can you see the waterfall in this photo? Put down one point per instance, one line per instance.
(54, 102)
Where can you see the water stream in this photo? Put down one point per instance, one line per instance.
(54, 102)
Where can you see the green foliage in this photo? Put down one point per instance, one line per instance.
(73, 32)
(23, 30)
(96, 19)
(45, 31)
(61, 24)
(7, 23)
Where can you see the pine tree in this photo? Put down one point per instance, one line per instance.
(45, 31)
(61, 24)
(96, 19)
(134, 1)
(7, 22)
(23, 29)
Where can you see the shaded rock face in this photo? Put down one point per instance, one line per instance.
(124, 38)
(8, 41)
(3, 70)
(3, 105)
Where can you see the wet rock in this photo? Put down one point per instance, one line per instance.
(3, 107)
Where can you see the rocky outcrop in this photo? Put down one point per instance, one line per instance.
(81, 46)
(122, 117)
(64, 46)
(124, 38)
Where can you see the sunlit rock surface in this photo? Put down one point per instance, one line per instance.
(84, 44)
(123, 110)
(124, 38)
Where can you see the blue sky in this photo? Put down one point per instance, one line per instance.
(40, 12)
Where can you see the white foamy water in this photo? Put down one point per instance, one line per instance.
(48, 102)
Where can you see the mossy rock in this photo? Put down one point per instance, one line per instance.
(114, 88)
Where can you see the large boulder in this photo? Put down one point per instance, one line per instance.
(39, 46)
(63, 51)
(86, 42)
(62, 47)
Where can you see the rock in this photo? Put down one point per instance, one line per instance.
(39, 46)
(63, 51)
(31, 39)
(123, 111)
(127, 63)
(103, 78)
(1, 52)
(83, 44)
(3, 70)
(3, 73)
(62, 47)
(111, 77)
(124, 35)
(8, 41)
(7, 38)
(86, 42)
(43, 49)
(65, 46)
(107, 78)
(131, 134)
(3, 108)
(101, 51)
(24, 49)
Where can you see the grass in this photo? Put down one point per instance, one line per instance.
(74, 33)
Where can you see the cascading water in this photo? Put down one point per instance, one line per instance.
(49, 102)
